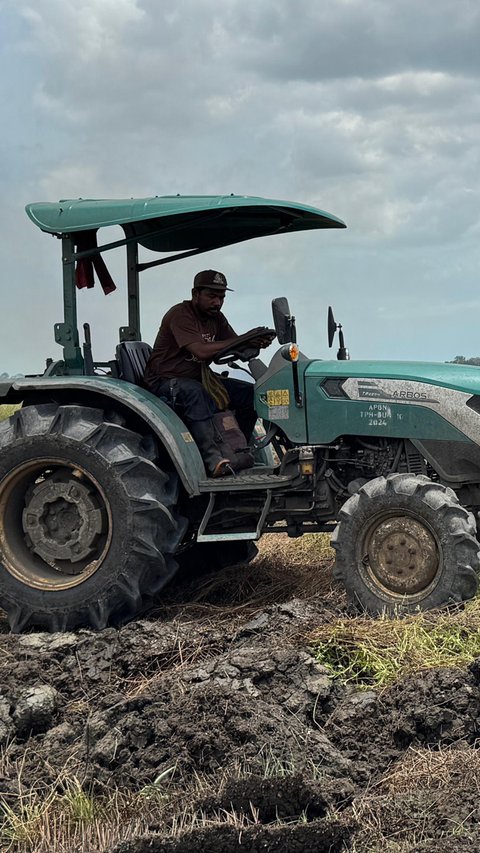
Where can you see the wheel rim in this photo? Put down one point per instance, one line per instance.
(400, 554)
(55, 524)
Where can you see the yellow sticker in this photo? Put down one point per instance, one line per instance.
(280, 397)
(187, 436)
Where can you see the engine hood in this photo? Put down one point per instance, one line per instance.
(461, 377)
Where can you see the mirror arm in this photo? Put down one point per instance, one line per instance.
(343, 353)
(293, 330)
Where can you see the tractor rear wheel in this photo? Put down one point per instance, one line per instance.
(88, 526)
(405, 543)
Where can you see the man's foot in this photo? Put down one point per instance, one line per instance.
(223, 469)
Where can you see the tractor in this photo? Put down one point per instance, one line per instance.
(103, 491)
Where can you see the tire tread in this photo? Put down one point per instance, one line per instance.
(457, 526)
(156, 529)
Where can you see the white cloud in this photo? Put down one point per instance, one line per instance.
(367, 109)
(85, 32)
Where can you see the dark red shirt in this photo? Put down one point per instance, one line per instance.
(180, 327)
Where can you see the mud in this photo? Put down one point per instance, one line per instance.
(246, 729)
(261, 839)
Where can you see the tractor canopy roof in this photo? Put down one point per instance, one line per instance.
(176, 223)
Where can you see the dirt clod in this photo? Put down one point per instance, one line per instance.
(317, 837)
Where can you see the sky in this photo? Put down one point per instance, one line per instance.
(368, 109)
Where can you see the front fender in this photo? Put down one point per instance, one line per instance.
(160, 418)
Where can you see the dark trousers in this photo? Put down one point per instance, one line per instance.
(192, 402)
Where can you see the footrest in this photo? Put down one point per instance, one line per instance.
(245, 481)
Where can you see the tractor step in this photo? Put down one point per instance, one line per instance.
(253, 479)
(265, 480)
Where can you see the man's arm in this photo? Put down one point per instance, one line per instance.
(207, 351)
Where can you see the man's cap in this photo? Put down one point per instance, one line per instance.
(211, 278)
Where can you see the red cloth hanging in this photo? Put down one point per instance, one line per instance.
(84, 242)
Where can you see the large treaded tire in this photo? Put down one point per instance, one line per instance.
(405, 543)
(136, 529)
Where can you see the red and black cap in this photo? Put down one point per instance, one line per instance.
(212, 279)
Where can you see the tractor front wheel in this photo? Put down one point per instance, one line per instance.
(405, 543)
(88, 526)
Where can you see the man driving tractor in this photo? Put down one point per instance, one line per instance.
(191, 334)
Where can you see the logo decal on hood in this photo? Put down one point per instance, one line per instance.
(368, 388)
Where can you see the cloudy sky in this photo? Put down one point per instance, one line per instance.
(368, 109)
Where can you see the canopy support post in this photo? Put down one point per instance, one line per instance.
(132, 331)
(66, 333)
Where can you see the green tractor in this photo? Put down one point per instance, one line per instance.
(103, 490)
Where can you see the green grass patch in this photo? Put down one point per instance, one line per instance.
(7, 411)
(377, 652)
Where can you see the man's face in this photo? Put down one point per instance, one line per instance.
(208, 301)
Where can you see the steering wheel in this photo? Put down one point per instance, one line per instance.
(245, 347)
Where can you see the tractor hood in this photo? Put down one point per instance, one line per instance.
(181, 223)
(424, 402)
(460, 377)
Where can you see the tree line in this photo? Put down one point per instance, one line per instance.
(460, 359)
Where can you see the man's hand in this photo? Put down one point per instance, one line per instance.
(205, 351)
(264, 339)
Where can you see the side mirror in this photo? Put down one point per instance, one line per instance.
(283, 321)
(332, 326)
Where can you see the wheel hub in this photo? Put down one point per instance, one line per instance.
(402, 555)
(63, 520)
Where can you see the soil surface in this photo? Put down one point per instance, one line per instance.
(223, 712)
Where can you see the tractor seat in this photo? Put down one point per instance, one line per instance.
(132, 357)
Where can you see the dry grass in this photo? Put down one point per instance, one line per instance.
(283, 569)
(397, 814)
(68, 821)
(434, 770)
(429, 792)
(306, 551)
(64, 817)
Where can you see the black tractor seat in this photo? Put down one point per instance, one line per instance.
(132, 357)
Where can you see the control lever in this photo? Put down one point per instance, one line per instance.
(88, 369)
